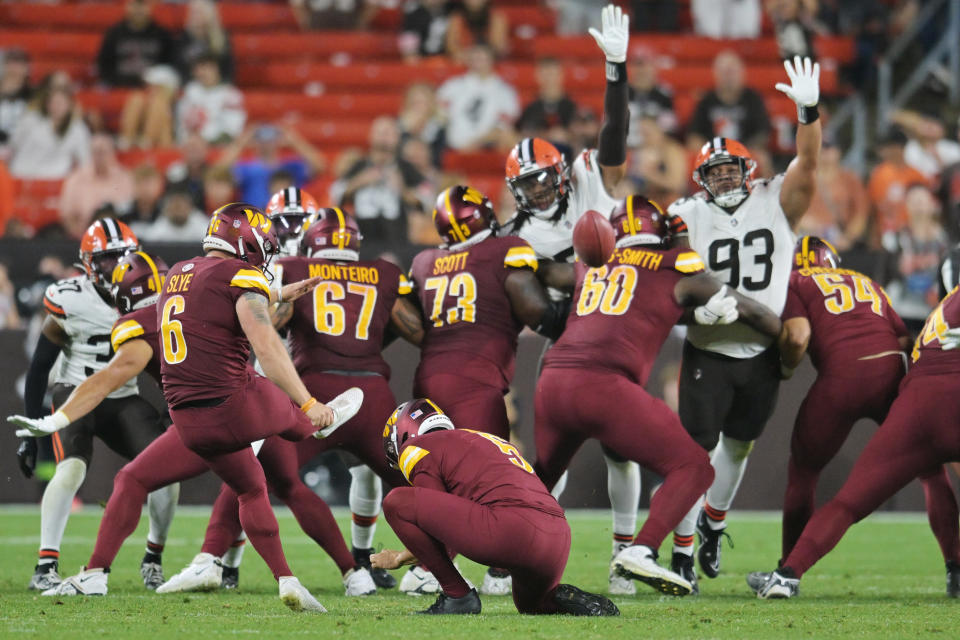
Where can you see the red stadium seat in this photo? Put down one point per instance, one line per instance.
(317, 44)
(42, 44)
(270, 105)
(37, 202)
(159, 158)
(475, 161)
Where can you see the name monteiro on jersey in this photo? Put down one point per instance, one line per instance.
(751, 250)
(88, 321)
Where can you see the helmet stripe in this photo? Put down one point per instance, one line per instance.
(631, 219)
(342, 233)
(453, 223)
(153, 270)
(430, 402)
(526, 148)
(111, 228)
(805, 252)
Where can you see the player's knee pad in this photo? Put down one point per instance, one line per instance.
(738, 450)
(366, 492)
(70, 472)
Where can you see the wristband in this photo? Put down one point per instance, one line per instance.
(616, 72)
(306, 406)
(60, 420)
(807, 115)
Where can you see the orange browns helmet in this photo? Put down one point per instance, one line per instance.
(462, 213)
(136, 281)
(637, 220)
(539, 179)
(812, 251)
(331, 234)
(103, 244)
(726, 191)
(244, 231)
(409, 420)
(289, 208)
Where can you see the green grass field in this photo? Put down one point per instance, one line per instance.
(886, 579)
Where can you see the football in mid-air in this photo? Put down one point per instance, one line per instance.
(593, 239)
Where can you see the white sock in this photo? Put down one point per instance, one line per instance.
(161, 505)
(561, 485)
(686, 529)
(623, 487)
(729, 461)
(234, 554)
(58, 500)
(366, 494)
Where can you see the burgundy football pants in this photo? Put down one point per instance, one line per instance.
(572, 405)
(531, 544)
(920, 434)
(470, 404)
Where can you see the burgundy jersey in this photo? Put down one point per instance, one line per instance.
(928, 354)
(477, 466)
(469, 322)
(341, 324)
(141, 325)
(623, 311)
(850, 316)
(205, 352)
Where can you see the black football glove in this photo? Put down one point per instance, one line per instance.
(27, 456)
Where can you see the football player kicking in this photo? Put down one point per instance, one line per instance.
(919, 435)
(80, 314)
(336, 336)
(730, 374)
(211, 311)
(477, 292)
(551, 196)
(857, 343)
(473, 493)
(592, 384)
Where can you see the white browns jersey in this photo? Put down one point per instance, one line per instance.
(554, 240)
(88, 321)
(751, 250)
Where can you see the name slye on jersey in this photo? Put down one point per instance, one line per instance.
(88, 321)
(751, 250)
(555, 240)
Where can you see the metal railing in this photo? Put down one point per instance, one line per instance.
(851, 113)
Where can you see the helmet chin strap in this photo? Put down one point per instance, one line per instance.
(730, 199)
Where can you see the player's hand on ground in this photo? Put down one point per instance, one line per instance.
(804, 87)
(27, 456)
(950, 340)
(386, 559)
(719, 309)
(39, 426)
(614, 35)
(294, 290)
(320, 415)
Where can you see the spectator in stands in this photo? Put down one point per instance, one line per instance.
(9, 318)
(333, 14)
(949, 196)
(475, 22)
(420, 228)
(840, 208)
(147, 117)
(584, 132)
(659, 165)
(93, 184)
(179, 220)
(132, 46)
(424, 30)
(647, 97)
(219, 188)
(480, 106)
(144, 207)
(420, 118)
(888, 186)
(51, 137)
(793, 22)
(191, 168)
(730, 110)
(381, 188)
(551, 112)
(15, 91)
(282, 179)
(210, 106)
(203, 34)
(6, 198)
(253, 176)
(653, 15)
(721, 19)
(928, 150)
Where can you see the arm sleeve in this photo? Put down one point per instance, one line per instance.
(612, 144)
(36, 383)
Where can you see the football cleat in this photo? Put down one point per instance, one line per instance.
(45, 577)
(381, 577)
(204, 573)
(345, 406)
(756, 579)
(358, 582)
(953, 580)
(780, 585)
(230, 577)
(296, 596)
(85, 583)
(497, 582)
(418, 581)
(618, 585)
(639, 562)
(709, 552)
(152, 574)
(682, 565)
(446, 605)
(576, 602)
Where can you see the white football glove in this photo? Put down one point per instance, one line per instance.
(804, 87)
(615, 35)
(950, 340)
(720, 309)
(39, 426)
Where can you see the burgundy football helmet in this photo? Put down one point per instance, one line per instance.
(411, 419)
(637, 220)
(243, 230)
(103, 244)
(461, 214)
(331, 234)
(289, 209)
(137, 280)
(812, 251)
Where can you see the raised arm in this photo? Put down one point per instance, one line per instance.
(612, 144)
(800, 180)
